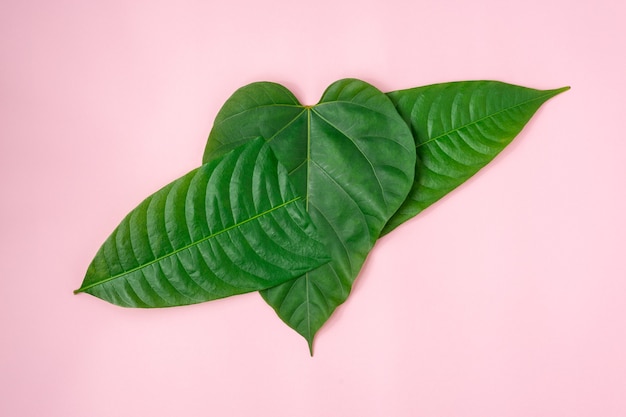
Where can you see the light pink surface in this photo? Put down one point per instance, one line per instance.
(506, 299)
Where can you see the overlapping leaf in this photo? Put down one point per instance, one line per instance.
(351, 156)
(352, 168)
(234, 225)
(458, 128)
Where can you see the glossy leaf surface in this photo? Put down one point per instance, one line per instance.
(351, 156)
(458, 128)
(232, 226)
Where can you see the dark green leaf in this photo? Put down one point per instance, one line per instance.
(232, 226)
(351, 156)
(458, 128)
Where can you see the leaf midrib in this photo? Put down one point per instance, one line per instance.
(489, 116)
(306, 276)
(309, 111)
(192, 244)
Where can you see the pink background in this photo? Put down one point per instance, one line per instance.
(507, 298)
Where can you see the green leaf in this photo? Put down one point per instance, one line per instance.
(232, 226)
(351, 156)
(458, 128)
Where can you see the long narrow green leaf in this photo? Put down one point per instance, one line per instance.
(458, 128)
(351, 156)
(232, 226)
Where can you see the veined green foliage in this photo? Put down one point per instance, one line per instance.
(351, 157)
(232, 226)
(291, 198)
(458, 128)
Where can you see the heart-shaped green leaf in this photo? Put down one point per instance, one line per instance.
(232, 226)
(458, 128)
(351, 156)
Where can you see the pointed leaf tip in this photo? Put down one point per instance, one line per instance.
(459, 128)
(183, 245)
(558, 91)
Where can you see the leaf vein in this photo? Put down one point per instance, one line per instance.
(489, 116)
(378, 181)
(192, 244)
